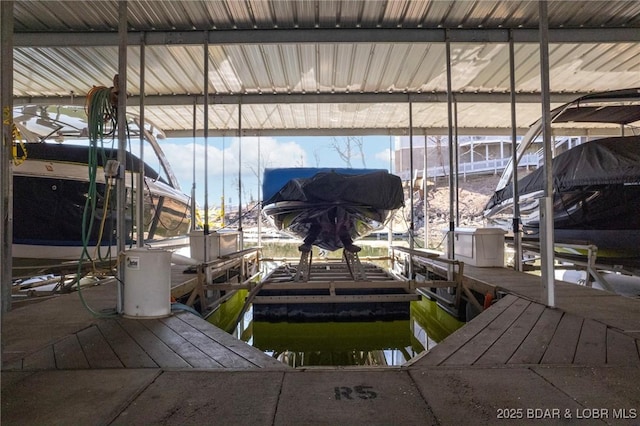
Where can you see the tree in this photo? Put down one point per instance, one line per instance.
(345, 149)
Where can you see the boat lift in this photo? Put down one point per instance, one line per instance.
(351, 260)
(574, 254)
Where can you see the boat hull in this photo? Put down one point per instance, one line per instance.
(596, 198)
(50, 191)
(334, 222)
(331, 208)
(605, 216)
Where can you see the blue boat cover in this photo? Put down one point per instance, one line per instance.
(275, 179)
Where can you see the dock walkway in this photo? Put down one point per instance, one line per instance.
(518, 362)
(622, 313)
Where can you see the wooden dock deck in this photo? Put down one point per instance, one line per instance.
(518, 358)
(60, 334)
(618, 312)
(180, 341)
(518, 331)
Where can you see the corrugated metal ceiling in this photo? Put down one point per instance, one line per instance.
(268, 68)
(72, 15)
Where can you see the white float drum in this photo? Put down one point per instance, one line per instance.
(147, 283)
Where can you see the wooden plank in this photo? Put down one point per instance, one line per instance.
(478, 345)
(373, 298)
(254, 355)
(536, 343)
(213, 349)
(183, 284)
(181, 346)
(325, 284)
(15, 365)
(562, 348)
(461, 336)
(97, 350)
(128, 351)
(161, 354)
(69, 355)
(621, 349)
(40, 360)
(502, 350)
(592, 345)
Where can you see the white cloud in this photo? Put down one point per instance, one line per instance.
(383, 155)
(272, 154)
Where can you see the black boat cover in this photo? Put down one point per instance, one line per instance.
(607, 161)
(377, 189)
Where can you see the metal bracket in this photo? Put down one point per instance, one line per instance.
(355, 267)
(304, 266)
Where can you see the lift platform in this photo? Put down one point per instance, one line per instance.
(333, 290)
(581, 255)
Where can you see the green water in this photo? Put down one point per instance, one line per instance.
(339, 343)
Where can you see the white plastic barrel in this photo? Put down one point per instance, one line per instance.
(147, 283)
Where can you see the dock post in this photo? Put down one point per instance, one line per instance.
(546, 202)
(6, 186)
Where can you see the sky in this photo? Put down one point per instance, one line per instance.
(223, 155)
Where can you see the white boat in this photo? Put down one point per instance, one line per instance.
(59, 210)
(596, 185)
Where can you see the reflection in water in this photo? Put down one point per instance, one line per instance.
(340, 343)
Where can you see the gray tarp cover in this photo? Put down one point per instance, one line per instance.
(601, 162)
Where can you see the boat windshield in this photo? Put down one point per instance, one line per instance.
(68, 124)
(614, 113)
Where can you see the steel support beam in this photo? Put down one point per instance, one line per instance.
(329, 35)
(205, 76)
(140, 183)
(450, 239)
(411, 177)
(517, 234)
(121, 223)
(401, 131)
(240, 176)
(546, 204)
(317, 98)
(6, 154)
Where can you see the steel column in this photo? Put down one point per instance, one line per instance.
(424, 193)
(121, 190)
(411, 216)
(517, 233)
(546, 207)
(206, 140)
(193, 177)
(450, 239)
(259, 195)
(140, 183)
(241, 245)
(456, 152)
(6, 154)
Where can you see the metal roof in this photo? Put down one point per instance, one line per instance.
(325, 67)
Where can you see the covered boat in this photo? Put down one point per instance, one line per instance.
(330, 208)
(596, 185)
(51, 186)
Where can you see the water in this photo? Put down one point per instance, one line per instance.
(384, 343)
(377, 343)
